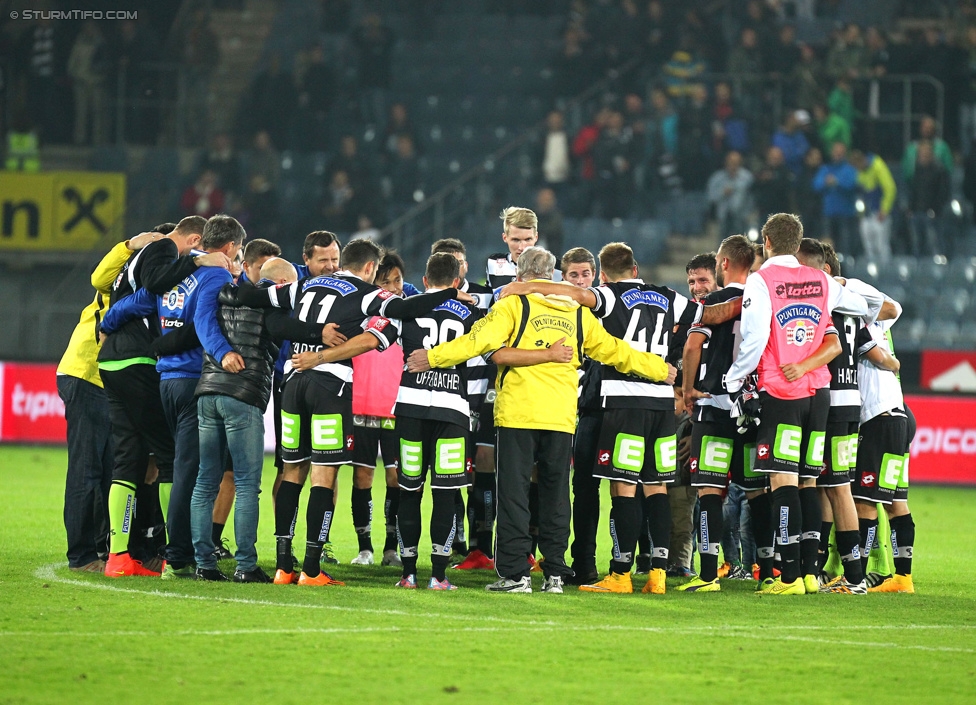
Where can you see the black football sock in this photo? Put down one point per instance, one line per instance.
(408, 530)
(868, 529)
(390, 507)
(442, 531)
(823, 552)
(318, 520)
(460, 539)
(286, 514)
(216, 532)
(850, 555)
(709, 535)
(762, 532)
(469, 513)
(811, 518)
(625, 521)
(534, 515)
(902, 542)
(484, 511)
(785, 503)
(644, 535)
(657, 509)
(362, 517)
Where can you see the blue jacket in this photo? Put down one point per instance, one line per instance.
(794, 148)
(192, 300)
(838, 200)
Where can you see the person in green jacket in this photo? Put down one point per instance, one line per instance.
(927, 128)
(832, 128)
(877, 192)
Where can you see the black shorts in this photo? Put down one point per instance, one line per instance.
(316, 423)
(485, 435)
(719, 453)
(882, 460)
(433, 445)
(791, 434)
(637, 446)
(840, 451)
(375, 439)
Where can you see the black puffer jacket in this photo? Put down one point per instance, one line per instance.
(246, 332)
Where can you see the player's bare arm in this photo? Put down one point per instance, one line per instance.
(828, 350)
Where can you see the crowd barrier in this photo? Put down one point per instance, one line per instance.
(944, 449)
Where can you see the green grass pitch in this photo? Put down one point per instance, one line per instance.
(70, 638)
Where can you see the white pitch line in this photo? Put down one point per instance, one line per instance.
(726, 633)
(47, 573)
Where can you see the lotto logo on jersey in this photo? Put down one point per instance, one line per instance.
(693, 464)
(799, 290)
(350, 442)
(762, 451)
(174, 300)
(800, 334)
(379, 324)
(603, 457)
(868, 479)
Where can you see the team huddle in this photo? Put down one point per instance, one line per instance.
(493, 396)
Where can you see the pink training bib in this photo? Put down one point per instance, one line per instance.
(376, 380)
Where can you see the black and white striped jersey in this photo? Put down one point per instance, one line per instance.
(719, 350)
(481, 292)
(845, 398)
(449, 394)
(643, 315)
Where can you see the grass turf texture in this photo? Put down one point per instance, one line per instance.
(84, 638)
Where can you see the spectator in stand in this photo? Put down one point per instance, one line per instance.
(365, 229)
(928, 194)
(317, 94)
(772, 190)
(684, 70)
(134, 53)
(782, 56)
(583, 150)
(87, 67)
(261, 200)
(205, 197)
(883, 97)
(272, 103)
(841, 101)
(878, 192)
(661, 140)
(729, 195)
(573, 68)
(224, 161)
(807, 80)
(200, 49)
(696, 158)
(809, 201)
(759, 18)
(41, 54)
(792, 141)
(746, 58)
(397, 125)
(374, 41)
(730, 131)
(837, 182)
(848, 57)
(927, 132)
(614, 157)
(933, 56)
(832, 128)
(555, 159)
(550, 219)
(352, 162)
(658, 36)
(342, 204)
(404, 173)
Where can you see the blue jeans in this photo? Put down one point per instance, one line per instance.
(737, 540)
(227, 424)
(180, 406)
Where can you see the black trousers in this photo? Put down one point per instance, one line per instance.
(180, 407)
(138, 423)
(89, 474)
(586, 492)
(516, 450)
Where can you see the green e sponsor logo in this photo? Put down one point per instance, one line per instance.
(411, 458)
(326, 432)
(449, 456)
(749, 461)
(628, 452)
(892, 466)
(289, 430)
(840, 457)
(787, 445)
(815, 448)
(666, 453)
(716, 454)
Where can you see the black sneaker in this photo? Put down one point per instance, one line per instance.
(255, 575)
(643, 564)
(582, 576)
(211, 574)
(222, 552)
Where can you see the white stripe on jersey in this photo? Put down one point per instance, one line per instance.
(477, 386)
(845, 397)
(880, 389)
(626, 388)
(719, 401)
(343, 372)
(433, 399)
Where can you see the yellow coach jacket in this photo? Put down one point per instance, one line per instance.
(80, 358)
(543, 396)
